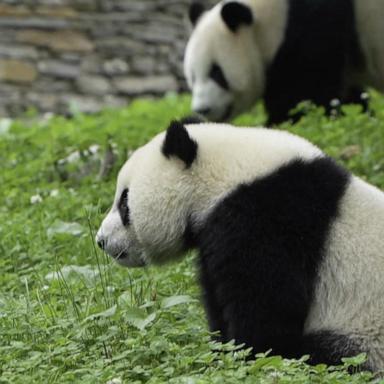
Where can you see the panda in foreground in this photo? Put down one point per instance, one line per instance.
(284, 51)
(290, 245)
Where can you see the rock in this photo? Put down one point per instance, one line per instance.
(155, 34)
(59, 41)
(91, 64)
(94, 85)
(9, 94)
(145, 85)
(144, 64)
(34, 22)
(18, 52)
(17, 71)
(59, 69)
(58, 11)
(115, 67)
(7, 36)
(85, 104)
(48, 84)
(123, 47)
(51, 2)
(86, 5)
(3, 111)
(45, 102)
(10, 10)
(114, 102)
(71, 57)
(132, 6)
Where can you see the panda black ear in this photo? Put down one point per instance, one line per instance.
(235, 14)
(178, 143)
(196, 9)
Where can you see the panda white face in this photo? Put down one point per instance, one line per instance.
(148, 218)
(117, 235)
(222, 63)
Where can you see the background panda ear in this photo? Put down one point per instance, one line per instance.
(235, 14)
(178, 143)
(196, 9)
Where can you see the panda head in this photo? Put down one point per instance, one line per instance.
(149, 216)
(223, 64)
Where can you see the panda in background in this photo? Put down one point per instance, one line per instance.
(284, 51)
(290, 245)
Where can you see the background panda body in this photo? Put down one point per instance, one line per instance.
(293, 50)
(290, 244)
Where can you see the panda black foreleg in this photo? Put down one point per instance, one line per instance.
(262, 307)
(214, 312)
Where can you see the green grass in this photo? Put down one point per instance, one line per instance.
(69, 315)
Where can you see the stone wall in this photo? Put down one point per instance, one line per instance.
(86, 54)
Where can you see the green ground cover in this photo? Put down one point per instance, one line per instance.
(69, 315)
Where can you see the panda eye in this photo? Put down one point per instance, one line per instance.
(217, 75)
(123, 207)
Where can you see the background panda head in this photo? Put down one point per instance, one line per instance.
(222, 63)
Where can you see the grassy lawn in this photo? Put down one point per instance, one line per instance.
(68, 314)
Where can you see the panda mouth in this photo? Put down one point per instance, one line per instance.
(227, 113)
(122, 257)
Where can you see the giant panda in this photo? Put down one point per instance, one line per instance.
(290, 245)
(284, 51)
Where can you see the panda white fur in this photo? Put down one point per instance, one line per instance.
(284, 51)
(291, 246)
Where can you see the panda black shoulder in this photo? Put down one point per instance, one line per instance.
(269, 236)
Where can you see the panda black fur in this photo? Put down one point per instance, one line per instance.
(290, 244)
(284, 51)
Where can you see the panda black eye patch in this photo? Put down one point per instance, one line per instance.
(123, 207)
(217, 75)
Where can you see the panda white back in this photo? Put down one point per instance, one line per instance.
(349, 292)
(370, 28)
(290, 244)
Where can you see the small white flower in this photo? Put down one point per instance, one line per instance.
(36, 199)
(5, 125)
(48, 116)
(54, 193)
(110, 289)
(114, 381)
(93, 149)
(334, 103)
(72, 157)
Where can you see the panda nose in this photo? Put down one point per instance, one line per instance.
(101, 243)
(203, 111)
